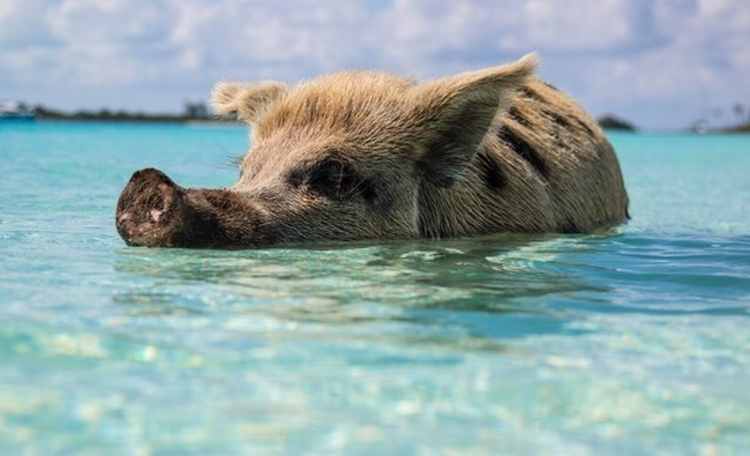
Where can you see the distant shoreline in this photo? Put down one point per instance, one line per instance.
(738, 129)
(44, 115)
(166, 120)
(130, 117)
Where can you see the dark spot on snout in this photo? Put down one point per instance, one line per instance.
(524, 150)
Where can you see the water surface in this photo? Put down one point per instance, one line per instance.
(632, 342)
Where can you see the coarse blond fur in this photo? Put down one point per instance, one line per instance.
(495, 150)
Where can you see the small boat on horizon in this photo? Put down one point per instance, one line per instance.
(15, 111)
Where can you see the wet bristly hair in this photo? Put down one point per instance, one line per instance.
(358, 155)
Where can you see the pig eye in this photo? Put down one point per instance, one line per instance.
(333, 178)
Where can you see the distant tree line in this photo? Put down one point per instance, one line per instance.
(612, 122)
(738, 116)
(742, 113)
(192, 111)
(199, 112)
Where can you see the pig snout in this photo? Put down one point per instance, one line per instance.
(152, 211)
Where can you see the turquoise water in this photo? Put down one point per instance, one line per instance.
(627, 343)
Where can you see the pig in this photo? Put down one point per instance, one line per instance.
(371, 156)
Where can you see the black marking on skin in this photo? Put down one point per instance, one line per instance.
(515, 115)
(585, 127)
(493, 175)
(524, 150)
(550, 86)
(558, 119)
(531, 94)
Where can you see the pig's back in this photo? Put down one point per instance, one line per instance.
(553, 154)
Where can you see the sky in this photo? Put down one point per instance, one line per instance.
(662, 64)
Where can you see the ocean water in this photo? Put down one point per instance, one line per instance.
(634, 342)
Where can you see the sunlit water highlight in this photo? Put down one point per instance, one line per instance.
(630, 342)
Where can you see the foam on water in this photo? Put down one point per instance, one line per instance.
(630, 342)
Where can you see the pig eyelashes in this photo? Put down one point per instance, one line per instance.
(334, 179)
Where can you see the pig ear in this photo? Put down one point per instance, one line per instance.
(456, 113)
(247, 101)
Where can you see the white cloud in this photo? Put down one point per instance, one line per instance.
(638, 57)
(581, 26)
(20, 23)
(702, 63)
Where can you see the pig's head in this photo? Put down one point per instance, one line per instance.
(342, 157)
